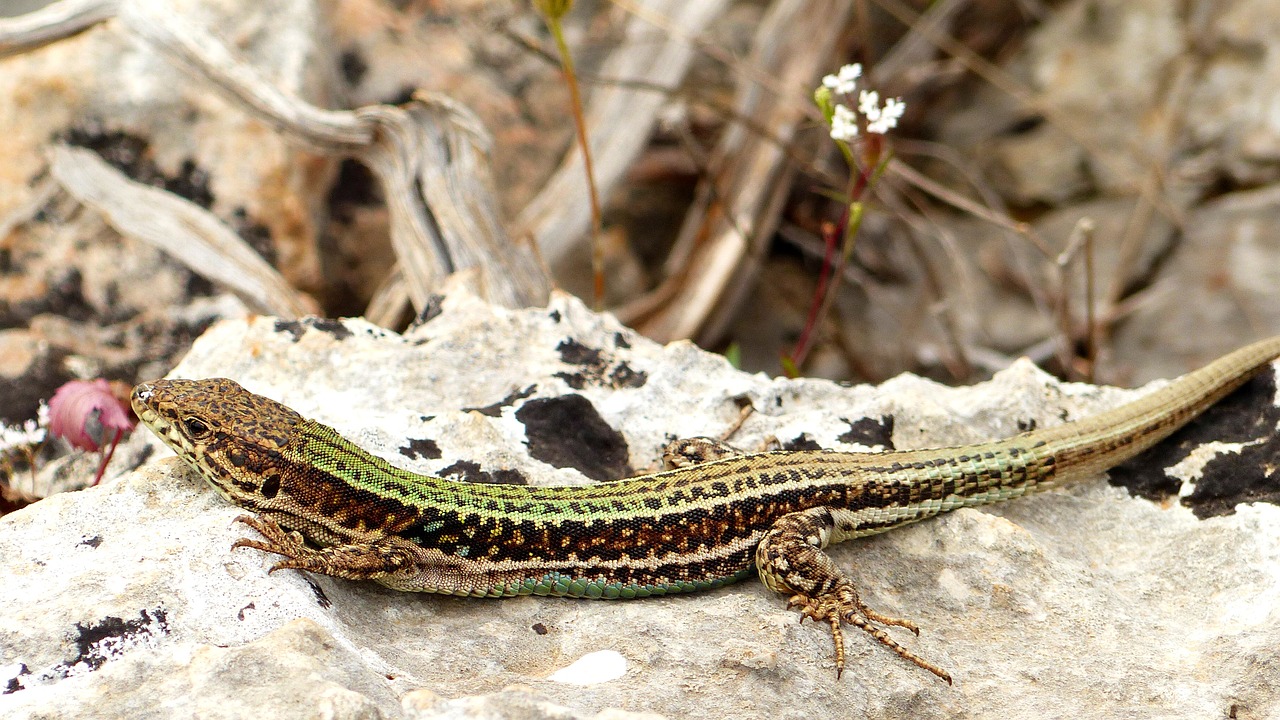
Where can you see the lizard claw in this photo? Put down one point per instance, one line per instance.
(278, 541)
(842, 606)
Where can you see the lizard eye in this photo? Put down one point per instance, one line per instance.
(195, 427)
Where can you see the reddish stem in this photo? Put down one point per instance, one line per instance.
(106, 458)
(861, 180)
(830, 233)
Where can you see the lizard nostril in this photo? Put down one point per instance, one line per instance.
(143, 391)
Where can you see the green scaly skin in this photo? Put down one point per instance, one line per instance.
(330, 507)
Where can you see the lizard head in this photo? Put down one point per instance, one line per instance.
(229, 435)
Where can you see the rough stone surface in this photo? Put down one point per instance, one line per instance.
(1218, 286)
(126, 600)
(1143, 84)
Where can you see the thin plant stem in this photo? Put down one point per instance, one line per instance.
(832, 265)
(106, 458)
(580, 123)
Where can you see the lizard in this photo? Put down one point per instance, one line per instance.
(328, 506)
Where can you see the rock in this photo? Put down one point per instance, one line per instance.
(1133, 86)
(1217, 287)
(127, 599)
(1012, 267)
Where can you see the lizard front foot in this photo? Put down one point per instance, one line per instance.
(353, 561)
(278, 541)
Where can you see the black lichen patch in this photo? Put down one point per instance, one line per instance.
(577, 381)
(623, 376)
(495, 410)
(471, 472)
(803, 442)
(421, 448)
(1246, 416)
(596, 368)
(573, 352)
(1231, 479)
(293, 327)
(298, 328)
(99, 642)
(330, 325)
(568, 432)
(96, 643)
(871, 432)
(14, 684)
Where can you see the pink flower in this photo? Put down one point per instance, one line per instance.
(88, 414)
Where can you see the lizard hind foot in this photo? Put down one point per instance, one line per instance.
(791, 560)
(850, 609)
(843, 606)
(688, 452)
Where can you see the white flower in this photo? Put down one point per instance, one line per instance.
(846, 81)
(29, 434)
(869, 104)
(844, 124)
(847, 123)
(880, 119)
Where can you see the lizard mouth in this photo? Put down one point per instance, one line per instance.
(142, 400)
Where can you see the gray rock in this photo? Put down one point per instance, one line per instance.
(126, 600)
(1128, 86)
(1217, 287)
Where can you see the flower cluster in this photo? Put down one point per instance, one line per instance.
(844, 120)
(28, 434)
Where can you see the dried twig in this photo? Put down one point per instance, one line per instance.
(622, 118)
(424, 152)
(181, 228)
(430, 154)
(52, 23)
(723, 241)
